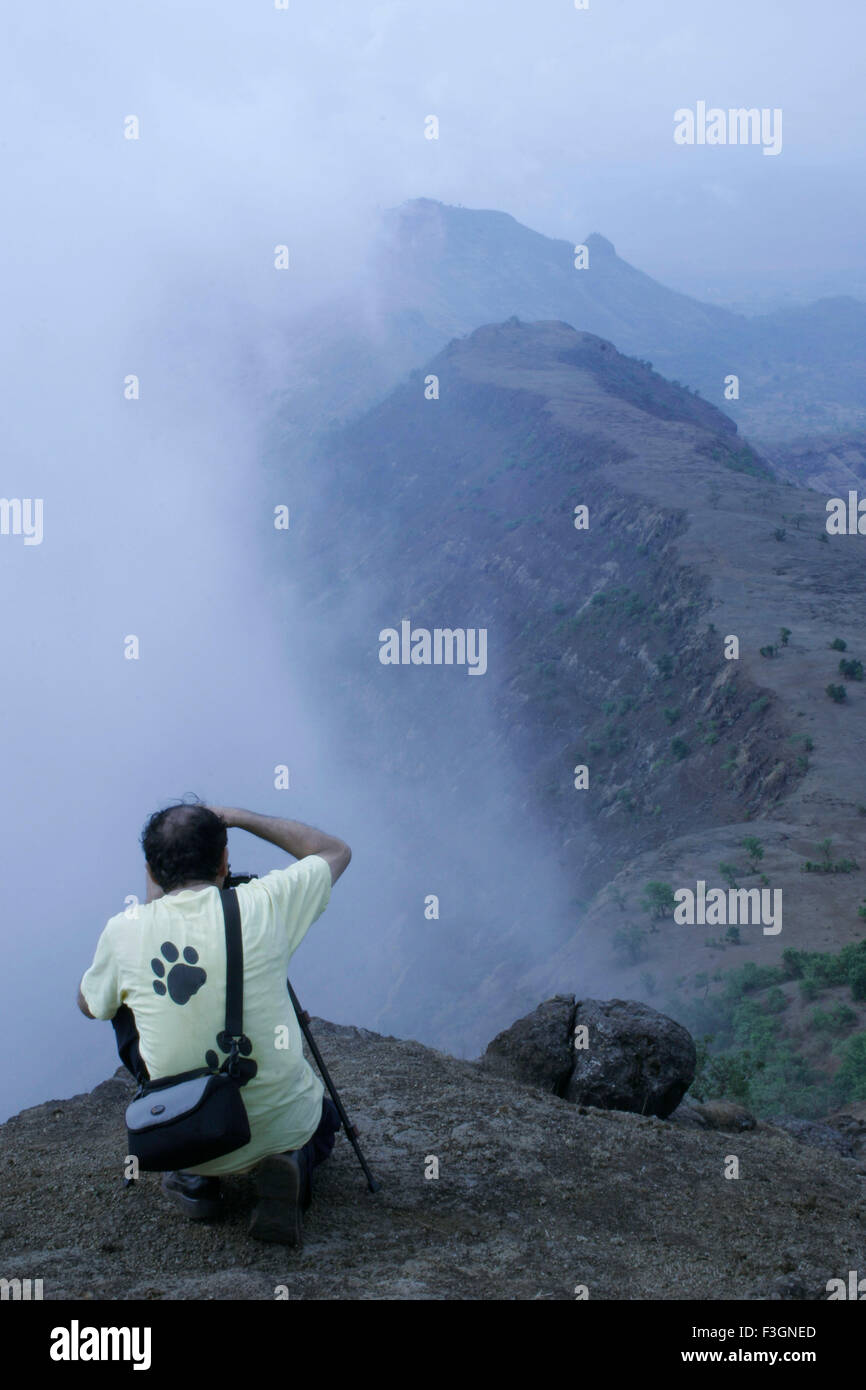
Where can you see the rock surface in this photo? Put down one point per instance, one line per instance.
(534, 1196)
(820, 1136)
(726, 1115)
(636, 1058)
(537, 1049)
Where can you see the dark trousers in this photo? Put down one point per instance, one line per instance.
(316, 1149)
(320, 1147)
(126, 1037)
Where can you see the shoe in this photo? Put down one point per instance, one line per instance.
(280, 1183)
(199, 1198)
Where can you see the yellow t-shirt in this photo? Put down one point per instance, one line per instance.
(168, 965)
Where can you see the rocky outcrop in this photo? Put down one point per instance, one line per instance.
(634, 1058)
(726, 1115)
(819, 1136)
(537, 1049)
(614, 1054)
(528, 1197)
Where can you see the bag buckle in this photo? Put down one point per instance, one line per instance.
(236, 1047)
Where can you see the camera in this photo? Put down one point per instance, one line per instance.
(232, 880)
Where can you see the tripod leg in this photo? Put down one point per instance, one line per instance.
(351, 1132)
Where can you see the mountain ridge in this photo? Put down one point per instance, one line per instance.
(606, 650)
(437, 272)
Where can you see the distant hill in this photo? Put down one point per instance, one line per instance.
(800, 369)
(831, 464)
(439, 272)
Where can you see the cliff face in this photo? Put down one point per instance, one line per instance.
(607, 649)
(534, 1197)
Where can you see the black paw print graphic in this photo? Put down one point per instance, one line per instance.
(247, 1066)
(183, 981)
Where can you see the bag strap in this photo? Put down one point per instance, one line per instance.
(234, 963)
(233, 1039)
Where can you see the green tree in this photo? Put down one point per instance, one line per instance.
(658, 899)
(850, 1079)
(755, 850)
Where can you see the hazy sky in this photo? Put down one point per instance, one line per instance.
(257, 121)
(261, 126)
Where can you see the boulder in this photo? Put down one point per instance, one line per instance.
(635, 1058)
(818, 1135)
(689, 1115)
(537, 1048)
(726, 1115)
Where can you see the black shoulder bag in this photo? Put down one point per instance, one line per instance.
(186, 1120)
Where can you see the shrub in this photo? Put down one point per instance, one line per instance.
(750, 977)
(807, 742)
(720, 1077)
(827, 866)
(754, 849)
(835, 1020)
(658, 899)
(679, 748)
(629, 944)
(775, 1002)
(857, 980)
(837, 645)
(851, 670)
(837, 693)
(850, 1079)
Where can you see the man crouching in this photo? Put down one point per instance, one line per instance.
(160, 976)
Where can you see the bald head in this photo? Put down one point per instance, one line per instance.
(184, 844)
